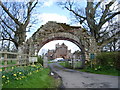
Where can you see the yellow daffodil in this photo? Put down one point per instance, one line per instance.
(0, 70)
(16, 78)
(33, 65)
(3, 76)
(95, 68)
(20, 73)
(20, 78)
(14, 75)
(23, 77)
(12, 67)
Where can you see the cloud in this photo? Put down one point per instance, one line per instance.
(45, 17)
(48, 3)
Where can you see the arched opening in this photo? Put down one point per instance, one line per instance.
(73, 47)
(51, 46)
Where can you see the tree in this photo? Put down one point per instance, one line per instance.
(114, 44)
(94, 17)
(15, 18)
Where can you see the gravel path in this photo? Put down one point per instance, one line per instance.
(77, 79)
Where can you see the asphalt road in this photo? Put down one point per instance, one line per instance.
(77, 79)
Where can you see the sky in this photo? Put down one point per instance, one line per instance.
(50, 11)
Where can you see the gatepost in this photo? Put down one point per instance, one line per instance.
(45, 62)
(92, 57)
(1, 71)
(19, 55)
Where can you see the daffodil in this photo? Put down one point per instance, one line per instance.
(3, 76)
(23, 77)
(99, 67)
(20, 73)
(12, 67)
(95, 68)
(14, 75)
(111, 65)
(16, 78)
(0, 70)
(20, 78)
(33, 65)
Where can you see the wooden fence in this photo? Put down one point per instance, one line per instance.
(10, 59)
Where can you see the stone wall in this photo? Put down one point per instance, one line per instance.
(60, 31)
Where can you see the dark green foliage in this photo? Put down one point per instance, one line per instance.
(40, 60)
(117, 61)
(109, 60)
(68, 65)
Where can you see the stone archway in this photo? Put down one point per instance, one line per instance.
(59, 31)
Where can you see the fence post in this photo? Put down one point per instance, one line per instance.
(25, 60)
(5, 58)
(0, 71)
(0, 59)
(18, 58)
(45, 62)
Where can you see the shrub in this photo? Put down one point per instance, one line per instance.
(117, 61)
(40, 60)
(108, 60)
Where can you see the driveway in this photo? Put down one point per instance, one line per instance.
(77, 79)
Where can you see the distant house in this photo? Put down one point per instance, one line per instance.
(61, 51)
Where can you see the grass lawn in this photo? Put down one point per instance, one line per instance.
(111, 71)
(8, 62)
(62, 64)
(39, 79)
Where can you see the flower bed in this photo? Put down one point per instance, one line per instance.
(19, 73)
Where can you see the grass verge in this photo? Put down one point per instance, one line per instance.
(39, 79)
(111, 71)
(62, 64)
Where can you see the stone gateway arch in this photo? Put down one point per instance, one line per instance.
(60, 31)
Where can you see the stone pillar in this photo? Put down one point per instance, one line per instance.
(36, 52)
(30, 49)
(20, 49)
(45, 62)
(74, 62)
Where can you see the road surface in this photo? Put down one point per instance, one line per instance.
(77, 79)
